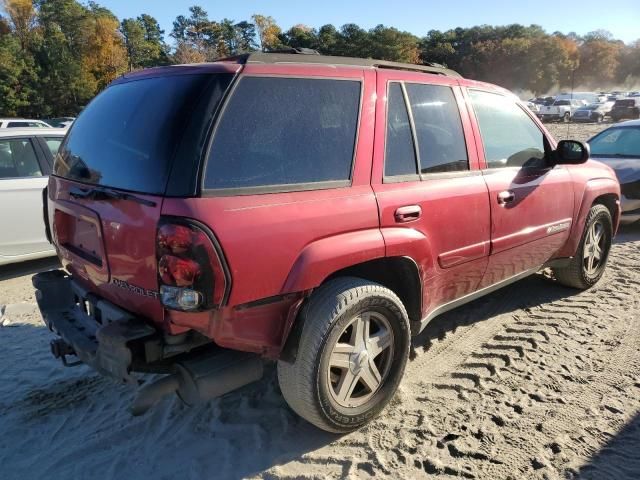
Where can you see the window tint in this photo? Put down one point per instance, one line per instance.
(400, 157)
(510, 137)
(438, 128)
(53, 144)
(18, 124)
(128, 136)
(18, 159)
(278, 131)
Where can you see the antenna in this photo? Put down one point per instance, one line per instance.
(573, 73)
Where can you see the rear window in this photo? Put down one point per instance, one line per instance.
(128, 136)
(283, 133)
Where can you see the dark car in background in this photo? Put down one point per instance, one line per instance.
(594, 112)
(626, 108)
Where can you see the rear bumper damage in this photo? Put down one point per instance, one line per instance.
(116, 343)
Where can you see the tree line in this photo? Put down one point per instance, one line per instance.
(55, 55)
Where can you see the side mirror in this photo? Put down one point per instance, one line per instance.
(571, 152)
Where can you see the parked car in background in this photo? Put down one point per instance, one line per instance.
(313, 210)
(588, 97)
(60, 122)
(626, 108)
(22, 123)
(560, 110)
(26, 158)
(594, 112)
(619, 148)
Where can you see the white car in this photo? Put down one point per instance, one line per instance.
(22, 123)
(26, 158)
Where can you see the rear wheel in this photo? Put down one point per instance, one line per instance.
(588, 264)
(351, 356)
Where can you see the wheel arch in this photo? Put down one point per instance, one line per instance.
(600, 191)
(399, 274)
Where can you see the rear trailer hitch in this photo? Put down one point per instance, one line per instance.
(61, 349)
(202, 378)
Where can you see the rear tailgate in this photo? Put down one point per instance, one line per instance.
(108, 245)
(116, 165)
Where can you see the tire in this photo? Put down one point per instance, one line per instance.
(579, 273)
(313, 384)
(566, 118)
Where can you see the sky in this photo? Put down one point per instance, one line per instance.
(620, 17)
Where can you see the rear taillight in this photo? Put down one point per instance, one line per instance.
(190, 271)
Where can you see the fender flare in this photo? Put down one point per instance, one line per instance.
(593, 189)
(321, 258)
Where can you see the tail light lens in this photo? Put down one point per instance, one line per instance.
(191, 274)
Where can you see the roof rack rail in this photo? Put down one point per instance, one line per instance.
(310, 56)
(292, 50)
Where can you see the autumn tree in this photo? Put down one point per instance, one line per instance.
(599, 59)
(22, 16)
(268, 32)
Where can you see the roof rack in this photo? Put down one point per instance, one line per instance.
(309, 56)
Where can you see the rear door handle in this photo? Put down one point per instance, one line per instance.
(408, 213)
(506, 197)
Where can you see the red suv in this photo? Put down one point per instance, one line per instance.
(317, 211)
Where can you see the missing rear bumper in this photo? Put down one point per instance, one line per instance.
(97, 332)
(116, 343)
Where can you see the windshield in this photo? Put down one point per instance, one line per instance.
(616, 141)
(128, 136)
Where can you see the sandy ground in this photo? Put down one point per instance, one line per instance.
(533, 381)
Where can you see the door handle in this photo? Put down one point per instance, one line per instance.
(408, 213)
(506, 197)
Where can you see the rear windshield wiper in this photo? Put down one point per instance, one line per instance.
(96, 193)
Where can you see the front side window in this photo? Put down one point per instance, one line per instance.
(441, 142)
(400, 156)
(285, 131)
(509, 136)
(18, 159)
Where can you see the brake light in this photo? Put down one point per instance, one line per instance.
(190, 272)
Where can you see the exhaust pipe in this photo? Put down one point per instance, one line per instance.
(202, 378)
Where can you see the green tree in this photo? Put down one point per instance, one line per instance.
(144, 42)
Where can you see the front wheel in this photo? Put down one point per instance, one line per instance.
(351, 356)
(588, 264)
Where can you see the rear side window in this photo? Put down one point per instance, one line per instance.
(53, 144)
(441, 142)
(128, 136)
(18, 159)
(400, 156)
(285, 131)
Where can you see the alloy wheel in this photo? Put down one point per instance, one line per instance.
(360, 359)
(594, 248)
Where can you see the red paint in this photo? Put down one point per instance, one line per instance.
(280, 246)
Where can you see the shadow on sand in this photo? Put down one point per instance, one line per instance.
(31, 267)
